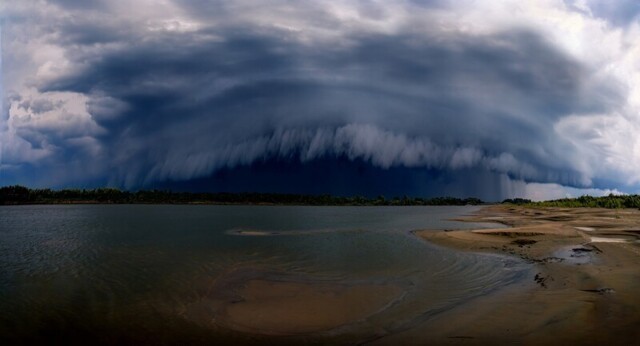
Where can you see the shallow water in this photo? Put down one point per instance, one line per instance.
(132, 273)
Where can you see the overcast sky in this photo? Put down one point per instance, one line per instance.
(494, 99)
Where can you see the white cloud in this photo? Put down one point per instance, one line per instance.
(42, 124)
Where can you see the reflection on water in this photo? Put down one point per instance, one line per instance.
(148, 274)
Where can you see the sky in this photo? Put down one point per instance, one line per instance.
(465, 98)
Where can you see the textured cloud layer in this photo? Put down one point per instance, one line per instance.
(137, 93)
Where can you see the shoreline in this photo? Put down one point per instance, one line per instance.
(585, 285)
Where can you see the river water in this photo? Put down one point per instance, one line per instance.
(133, 273)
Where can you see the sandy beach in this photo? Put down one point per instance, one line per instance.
(585, 286)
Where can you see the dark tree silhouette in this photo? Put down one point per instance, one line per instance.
(22, 195)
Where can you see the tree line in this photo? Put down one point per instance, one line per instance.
(12, 195)
(611, 201)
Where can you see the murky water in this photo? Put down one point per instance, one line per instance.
(132, 273)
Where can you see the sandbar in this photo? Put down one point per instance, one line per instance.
(581, 290)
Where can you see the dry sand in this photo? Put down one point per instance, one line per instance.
(585, 288)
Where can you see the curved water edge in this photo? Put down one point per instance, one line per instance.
(157, 267)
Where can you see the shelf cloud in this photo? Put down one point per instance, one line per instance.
(133, 94)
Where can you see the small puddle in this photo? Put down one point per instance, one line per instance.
(576, 254)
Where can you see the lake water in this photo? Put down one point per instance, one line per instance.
(145, 273)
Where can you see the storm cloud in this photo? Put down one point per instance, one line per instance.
(134, 95)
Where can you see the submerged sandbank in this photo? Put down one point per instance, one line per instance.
(286, 308)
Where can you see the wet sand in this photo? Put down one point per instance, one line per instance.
(585, 286)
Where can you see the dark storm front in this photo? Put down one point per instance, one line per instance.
(166, 273)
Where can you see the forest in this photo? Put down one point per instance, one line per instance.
(611, 202)
(12, 195)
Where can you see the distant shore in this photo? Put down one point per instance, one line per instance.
(18, 195)
(21, 195)
(585, 286)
